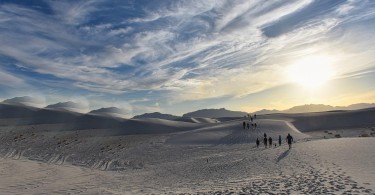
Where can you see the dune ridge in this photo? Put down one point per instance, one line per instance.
(174, 155)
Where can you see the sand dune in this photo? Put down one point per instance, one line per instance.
(222, 169)
(16, 111)
(336, 120)
(232, 132)
(197, 120)
(17, 115)
(199, 155)
(329, 120)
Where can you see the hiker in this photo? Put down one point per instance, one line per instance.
(265, 140)
(244, 125)
(279, 140)
(289, 139)
(270, 141)
(257, 143)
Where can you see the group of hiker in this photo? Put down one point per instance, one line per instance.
(251, 119)
(268, 142)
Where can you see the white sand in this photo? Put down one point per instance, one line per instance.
(197, 120)
(232, 132)
(325, 166)
(159, 156)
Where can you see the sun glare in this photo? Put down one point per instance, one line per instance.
(311, 72)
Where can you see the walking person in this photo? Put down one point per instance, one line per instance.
(265, 140)
(248, 126)
(270, 141)
(289, 139)
(257, 142)
(279, 140)
(244, 125)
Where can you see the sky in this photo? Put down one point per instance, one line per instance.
(178, 56)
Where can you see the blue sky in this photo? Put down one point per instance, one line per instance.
(177, 56)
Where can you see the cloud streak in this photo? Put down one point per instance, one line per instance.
(186, 50)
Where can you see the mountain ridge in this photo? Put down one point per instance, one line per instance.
(215, 113)
(156, 115)
(317, 108)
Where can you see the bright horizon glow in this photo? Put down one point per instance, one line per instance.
(312, 72)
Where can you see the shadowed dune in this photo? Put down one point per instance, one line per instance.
(335, 120)
(201, 130)
(17, 115)
(16, 111)
(339, 119)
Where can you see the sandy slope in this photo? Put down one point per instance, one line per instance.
(352, 155)
(308, 168)
(232, 132)
(348, 119)
(55, 152)
(197, 120)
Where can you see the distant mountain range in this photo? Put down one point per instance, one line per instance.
(156, 115)
(108, 110)
(317, 108)
(69, 106)
(215, 113)
(64, 105)
(218, 113)
(207, 113)
(25, 100)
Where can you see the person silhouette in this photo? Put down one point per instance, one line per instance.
(257, 142)
(289, 139)
(265, 140)
(279, 140)
(244, 125)
(270, 141)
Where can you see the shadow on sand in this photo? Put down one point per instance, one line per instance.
(283, 155)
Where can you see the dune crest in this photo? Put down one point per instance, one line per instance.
(153, 155)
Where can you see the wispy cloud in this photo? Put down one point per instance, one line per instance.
(188, 50)
(9, 80)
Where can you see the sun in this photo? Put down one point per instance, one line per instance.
(311, 72)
